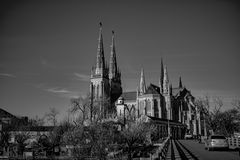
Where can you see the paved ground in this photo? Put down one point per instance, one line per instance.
(198, 150)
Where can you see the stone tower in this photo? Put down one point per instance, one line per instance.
(167, 94)
(99, 82)
(105, 82)
(114, 74)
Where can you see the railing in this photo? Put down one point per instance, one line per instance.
(234, 142)
(161, 152)
(184, 152)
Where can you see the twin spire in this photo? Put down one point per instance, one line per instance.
(114, 73)
(113, 59)
(164, 85)
(101, 67)
(100, 51)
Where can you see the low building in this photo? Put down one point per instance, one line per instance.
(8, 120)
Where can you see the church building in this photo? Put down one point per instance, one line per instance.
(160, 102)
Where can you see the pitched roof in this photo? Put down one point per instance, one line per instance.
(129, 96)
(180, 92)
(176, 91)
(5, 114)
(153, 89)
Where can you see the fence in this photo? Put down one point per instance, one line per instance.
(234, 142)
(161, 152)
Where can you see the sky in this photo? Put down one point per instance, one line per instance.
(47, 48)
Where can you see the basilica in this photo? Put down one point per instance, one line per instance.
(159, 103)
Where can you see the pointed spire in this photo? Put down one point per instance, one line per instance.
(142, 86)
(161, 77)
(180, 83)
(100, 65)
(165, 81)
(113, 60)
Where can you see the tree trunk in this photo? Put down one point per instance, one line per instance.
(130, 153)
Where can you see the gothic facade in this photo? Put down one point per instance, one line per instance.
(162, 101)
(105, 82)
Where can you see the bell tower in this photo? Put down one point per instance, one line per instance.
(114, 74)
(99, 82)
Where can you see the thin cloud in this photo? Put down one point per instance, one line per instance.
(58, 90)
(82, 77)
(62, 92)
(7, 75)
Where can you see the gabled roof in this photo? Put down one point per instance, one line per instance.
(129, 96)
(176, 91)
(5, 114)
(153, 89)
(181, 93)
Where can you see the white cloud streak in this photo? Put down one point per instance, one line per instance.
(62, 92)
(7, 75)
(82, 77)
(58, 90)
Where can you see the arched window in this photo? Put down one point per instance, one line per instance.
(97, 94)
(148, 107)
(141, 108)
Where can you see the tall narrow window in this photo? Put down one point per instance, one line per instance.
(156, 110)
(141, 108)
(148, 107)
(97, 92)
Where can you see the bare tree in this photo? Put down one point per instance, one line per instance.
(4, 141)
(236, 104)
(101, 108)
(80, 106)
(20, 139)
(218, 104)
(36, 121)
(100, 135)
(215, 119)
(135, 134)
(92, 140)
(51, 116)
(91, 109)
